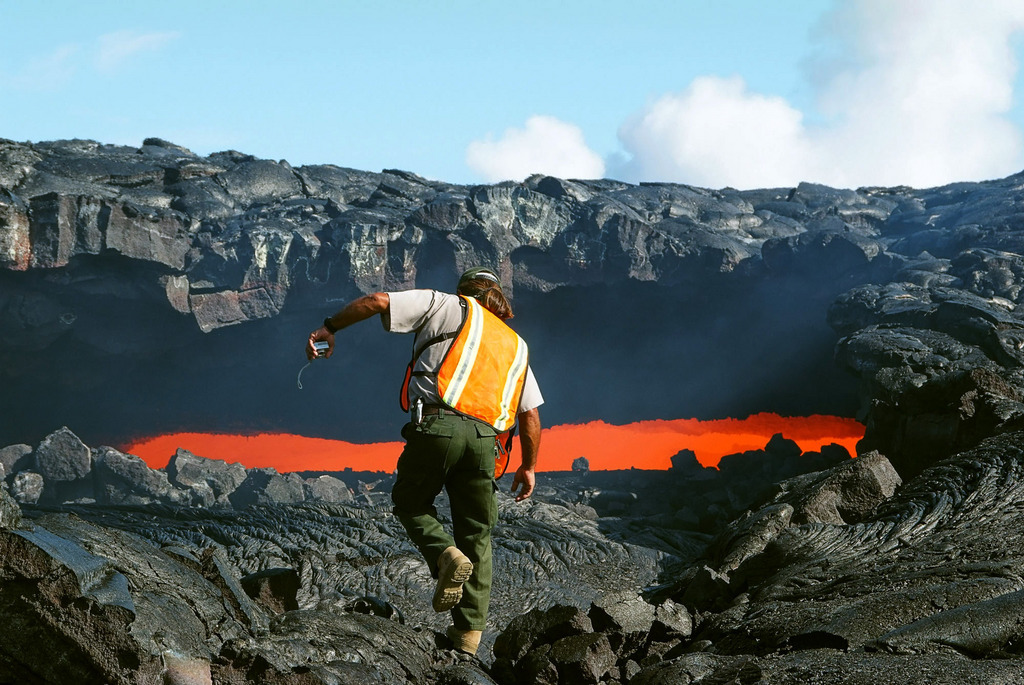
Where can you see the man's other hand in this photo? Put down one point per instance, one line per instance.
(525, 481)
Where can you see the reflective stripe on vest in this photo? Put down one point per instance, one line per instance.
(484, 370)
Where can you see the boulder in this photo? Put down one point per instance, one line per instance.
(62, 458)
(584, 659)
(843, 494)
(327, 489)
(704, 589)
(626, 618)
(685, 460)
(27, 487)
(14, 458)
(540, 626)
(784, 448)
(210, 481)
(671, 619)
(267, 486)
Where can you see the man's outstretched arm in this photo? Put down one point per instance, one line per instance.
(529, 443)
(357, 310)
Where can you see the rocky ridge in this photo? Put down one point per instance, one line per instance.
(63, 470)
(135, 260)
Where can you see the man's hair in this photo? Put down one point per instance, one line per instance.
(487, 293)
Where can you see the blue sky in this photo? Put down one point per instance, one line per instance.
(713, 93)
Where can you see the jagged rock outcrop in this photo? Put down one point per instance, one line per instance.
(941, 368)
(267, 486)
(690, 498)
(924, 588)
(611, 642)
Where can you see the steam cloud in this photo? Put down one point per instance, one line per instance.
(911, 93)
(547, 145)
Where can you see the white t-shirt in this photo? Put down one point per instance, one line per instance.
(429, 313)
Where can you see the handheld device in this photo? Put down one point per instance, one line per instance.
(320, 347)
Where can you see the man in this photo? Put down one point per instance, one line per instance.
(468, 381)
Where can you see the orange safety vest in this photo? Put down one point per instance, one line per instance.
(483, 371)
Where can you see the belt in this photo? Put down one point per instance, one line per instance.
(435, 410)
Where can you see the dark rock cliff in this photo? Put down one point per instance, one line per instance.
(147, 290)
(130, 278)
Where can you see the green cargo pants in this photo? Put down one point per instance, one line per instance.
(457, 454)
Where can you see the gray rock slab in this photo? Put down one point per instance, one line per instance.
(127, 479)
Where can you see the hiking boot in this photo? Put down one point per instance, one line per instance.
(453, 569)
(466, 641)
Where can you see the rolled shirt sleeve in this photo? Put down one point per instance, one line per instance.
(531, 393)
(409, 310)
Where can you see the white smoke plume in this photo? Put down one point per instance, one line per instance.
(545, 146)
(914, 92)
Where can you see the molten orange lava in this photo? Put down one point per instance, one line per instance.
(642, 445)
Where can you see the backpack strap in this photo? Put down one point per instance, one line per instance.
(403, 400)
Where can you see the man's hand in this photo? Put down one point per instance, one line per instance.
(529, 441)
(524, 480)
(357, 310)
(320, 335)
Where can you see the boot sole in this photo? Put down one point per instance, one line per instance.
(449, 584)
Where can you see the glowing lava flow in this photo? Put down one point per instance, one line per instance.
(642, 445)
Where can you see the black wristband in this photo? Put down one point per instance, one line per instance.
(330, 329)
